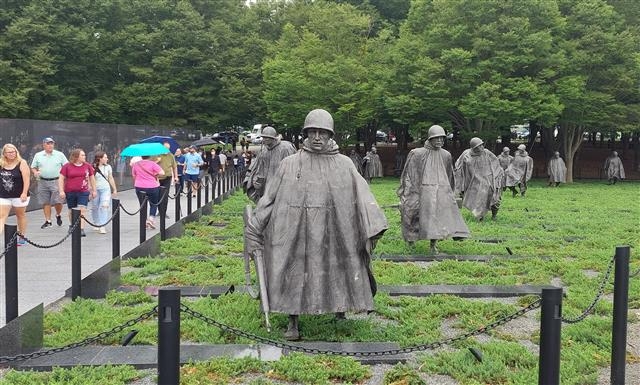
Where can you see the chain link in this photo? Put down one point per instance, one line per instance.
(10, 244)
(69, 233)
(137, 211)
(589, 308)
(534, 305)
(85, 342)
(104, 224)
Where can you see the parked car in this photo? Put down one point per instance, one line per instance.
(381, 136)
(257, 140)
(226, 136)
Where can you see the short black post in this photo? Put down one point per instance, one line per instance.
(11, 272)
(550, 327)
(169, 337)
(142, 222)
(206, 188)
(76, 254)
(620, 308)
(213, 182)
(218, 198)
(189, 195)
(115, 228)
(178, 201)
(199, 196)
(162, 210)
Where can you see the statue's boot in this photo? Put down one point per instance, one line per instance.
(494, 213)
(340, 316)
(292, 333)
(434, 249)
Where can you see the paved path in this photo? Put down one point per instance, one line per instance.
(45, 274)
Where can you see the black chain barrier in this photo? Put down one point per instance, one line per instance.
(9, 244)
(85, 342)
(135, 212)
(160, 200)
(104, 224)
(534, 305)
(597, 298)
(69, 233)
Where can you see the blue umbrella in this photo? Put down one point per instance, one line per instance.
(161, 139)
(144, 149)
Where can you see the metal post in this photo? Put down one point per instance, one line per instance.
(11, 272)
(620, 308)
(550, 327)
(189, 194)
(218, 198)
(169, 337)
(206, 188)
(76, 254)
(142, 222)
(199, 195)
(178, 199)
(162, 210)
(115, 228)
(213, 182)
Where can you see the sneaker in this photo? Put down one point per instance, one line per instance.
(150, 224)
(103, 230)
(46, 224)
(96, 229)
(82, 233)
(59, 220)
(21, 241)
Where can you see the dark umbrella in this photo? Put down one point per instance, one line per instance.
(205, 142)
(173, 145)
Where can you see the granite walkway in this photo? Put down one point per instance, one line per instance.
(45, 273)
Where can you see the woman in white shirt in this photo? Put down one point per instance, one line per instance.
(106, 188)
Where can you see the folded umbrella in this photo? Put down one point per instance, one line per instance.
(144, 149)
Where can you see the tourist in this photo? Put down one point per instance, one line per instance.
(105, 190)
(77, 184)
(45, 167)
(14, 189)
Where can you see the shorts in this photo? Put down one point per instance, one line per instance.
(14, 202)
(192, 177)
(76, 199)
(48, 192)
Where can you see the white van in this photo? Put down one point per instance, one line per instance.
(256, 131)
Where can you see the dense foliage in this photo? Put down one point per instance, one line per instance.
(476, 67)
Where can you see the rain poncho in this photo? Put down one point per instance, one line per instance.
(504, 160)
(317, 219)
(427, 204)
(357, 161)
(520, 169)
(479, 176)
(557, 170)
(373, 165)
(264, 167)
(614, 168)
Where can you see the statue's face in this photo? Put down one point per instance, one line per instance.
(269, 142)
(556, 154)
(318, 138)
(478, 149)
(437, 142)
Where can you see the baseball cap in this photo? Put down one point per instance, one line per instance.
(48, 139)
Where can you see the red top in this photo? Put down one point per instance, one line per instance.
(76, 177)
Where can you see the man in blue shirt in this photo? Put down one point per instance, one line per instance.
(192, 163)
(180, 164)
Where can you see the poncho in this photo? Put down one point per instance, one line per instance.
(520, 169)
(479, 176)
(427, 204)
(614, 168)
(264, 167)
(373, 166)
(317, 218)
(505, 161)
(557, 170)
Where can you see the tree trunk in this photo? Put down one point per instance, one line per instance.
(571, 142)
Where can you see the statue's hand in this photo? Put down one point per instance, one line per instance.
(254, 242)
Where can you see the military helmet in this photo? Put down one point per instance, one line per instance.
(269, 132)
(475, 142)
(522, 147)
(319, 118)
(506, 149)
(436, 131)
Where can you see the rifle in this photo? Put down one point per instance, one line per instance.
(258, 260)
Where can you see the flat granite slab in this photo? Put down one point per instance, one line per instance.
(145, 357)
(466, 291)
(433, 257)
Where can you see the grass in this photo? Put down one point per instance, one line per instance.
(565, 234)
